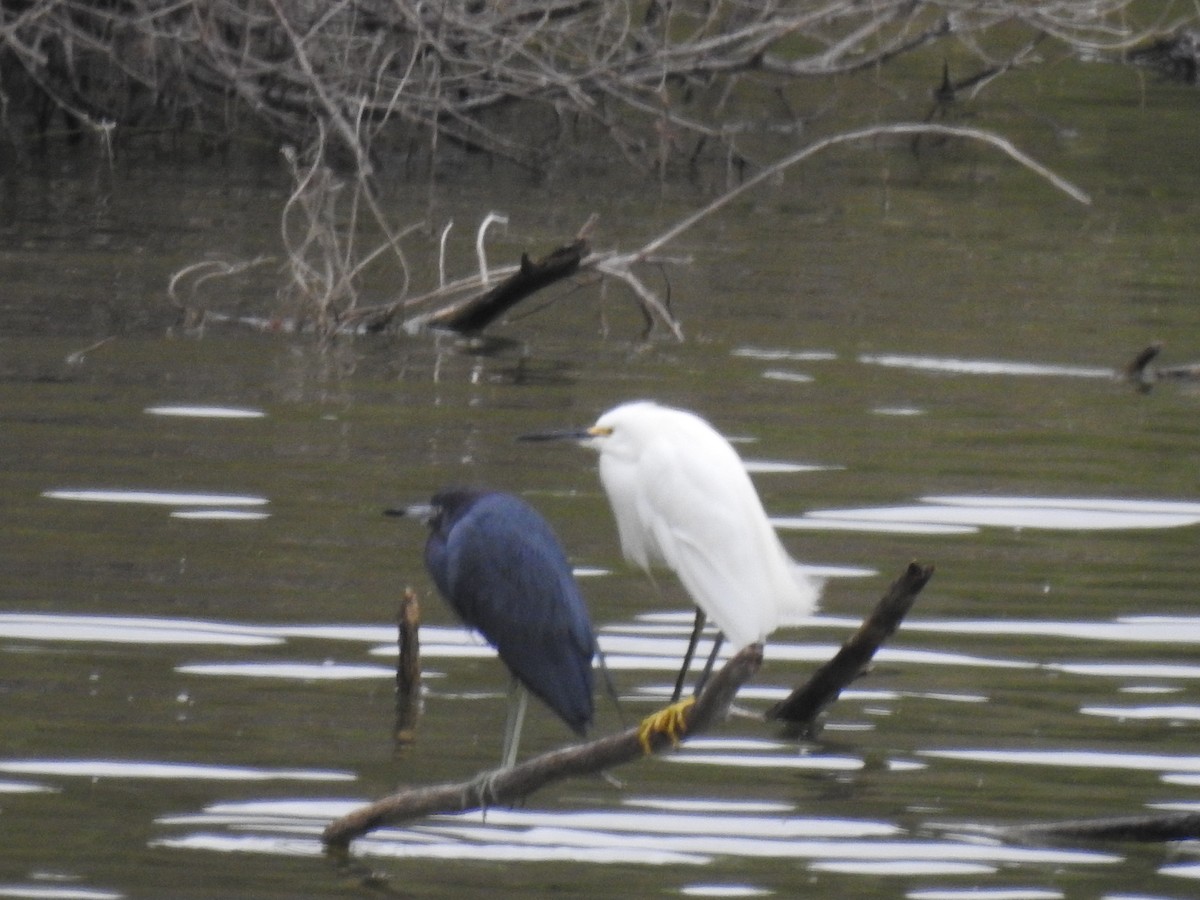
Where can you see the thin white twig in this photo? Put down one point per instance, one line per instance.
(442, 254)
(491, 218)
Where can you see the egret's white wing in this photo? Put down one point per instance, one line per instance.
(703, 514)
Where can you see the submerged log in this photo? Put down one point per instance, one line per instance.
(1146, 829)
(476, 313)
(801, 708)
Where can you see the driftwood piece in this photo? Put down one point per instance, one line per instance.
(408, 669)
(801, 708)
(476, 313)
(505, 786)
(1143, 376)
(1144, 829)
(1137, 372)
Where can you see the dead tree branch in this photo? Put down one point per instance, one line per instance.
(801, 708)
(476, 313)
(388, 80)
(506, 786)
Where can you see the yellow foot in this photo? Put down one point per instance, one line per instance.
(671, 721)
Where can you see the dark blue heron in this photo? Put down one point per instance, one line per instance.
(502, 570)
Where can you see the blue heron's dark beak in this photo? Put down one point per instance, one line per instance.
(423, 512)
(565, 434)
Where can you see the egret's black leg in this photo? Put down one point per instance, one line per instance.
(687, 657)
(712, 658)
(518, 700)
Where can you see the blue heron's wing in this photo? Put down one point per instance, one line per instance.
(506, 575)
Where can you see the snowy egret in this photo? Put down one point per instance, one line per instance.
(498, 564)
(682, 499)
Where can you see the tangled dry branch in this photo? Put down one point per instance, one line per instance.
(662, 82)
(356, 89)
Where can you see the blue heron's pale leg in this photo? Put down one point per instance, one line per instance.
(518, 701)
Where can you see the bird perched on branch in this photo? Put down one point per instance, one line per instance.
(683, 500)
(498, 564)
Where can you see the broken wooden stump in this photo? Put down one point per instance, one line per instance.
(408, 669)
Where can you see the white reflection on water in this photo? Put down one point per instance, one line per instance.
(25, 787)
(368, 634)
(219, 515)
(35, 891)
(898, 411)
(157, 498)
(902, 867)
(724, 890)
(205, 412)
(1144, 713)
(113, 768)
(1045, 513)
(1123, 630)
(1183, 870)
(763, 762)
(784, 375)
(982, 366)
(848, 520)
(778, 467)
(709, 805)
(326, 671)
(1128, 670)
(775, 355)
(598, 836)
(131, 630)
(1081, 759)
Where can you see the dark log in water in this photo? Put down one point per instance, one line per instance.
(476, 313)
(800, 710)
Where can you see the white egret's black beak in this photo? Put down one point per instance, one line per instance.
(565, 434)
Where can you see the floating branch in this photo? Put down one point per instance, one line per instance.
(476, 313)
(1145, 829)
(801, 708)
(506, 786)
